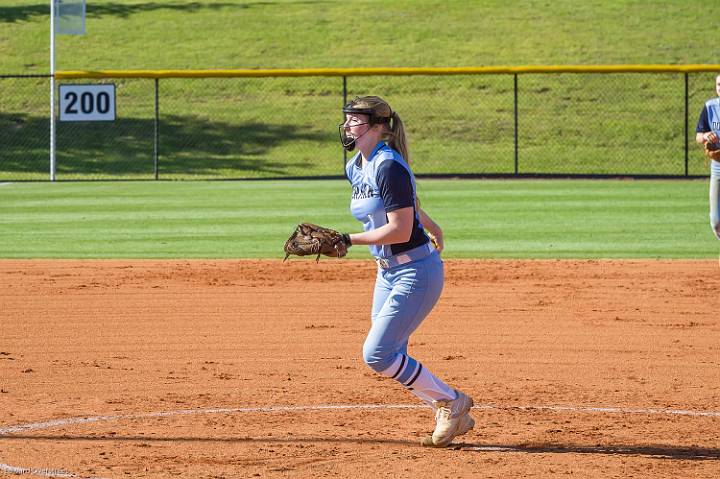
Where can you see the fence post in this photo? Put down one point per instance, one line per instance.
(53, 132)
(344, 103)
(156, 138)
(687, 138)
(515, 102)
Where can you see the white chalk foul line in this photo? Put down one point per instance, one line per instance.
(33, 426)
(326, 407)
(183, 412)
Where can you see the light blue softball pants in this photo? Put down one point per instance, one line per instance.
(403, 298)
(715, 201)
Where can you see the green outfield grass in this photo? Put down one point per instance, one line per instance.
(481, 218)
(369, 33)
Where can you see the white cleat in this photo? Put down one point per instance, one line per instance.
(452, 419)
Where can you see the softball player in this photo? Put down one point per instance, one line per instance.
(708, 131)
(410, 272)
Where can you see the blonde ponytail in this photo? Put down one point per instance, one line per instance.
(396, 137)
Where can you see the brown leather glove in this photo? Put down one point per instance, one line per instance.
(712, 152)
(310, 239)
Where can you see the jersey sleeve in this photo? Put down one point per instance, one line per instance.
(703, 125)
(395, 185)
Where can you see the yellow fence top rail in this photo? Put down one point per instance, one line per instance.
(339, 72)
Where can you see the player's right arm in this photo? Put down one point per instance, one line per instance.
(431, 228)
(707, 137)
(703, 132)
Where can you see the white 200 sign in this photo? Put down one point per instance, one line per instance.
(87, 102)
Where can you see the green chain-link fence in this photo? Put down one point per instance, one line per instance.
(589, 123)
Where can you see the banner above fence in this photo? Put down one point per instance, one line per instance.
(70, 17)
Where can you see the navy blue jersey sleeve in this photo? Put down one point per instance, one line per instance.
(395, 185)
(703, 125)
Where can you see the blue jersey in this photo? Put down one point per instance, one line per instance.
(710, 121)
(385, 184)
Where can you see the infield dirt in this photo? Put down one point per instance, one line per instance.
(542, 346)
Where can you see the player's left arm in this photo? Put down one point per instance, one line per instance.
(397, 230)
(396, 190)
